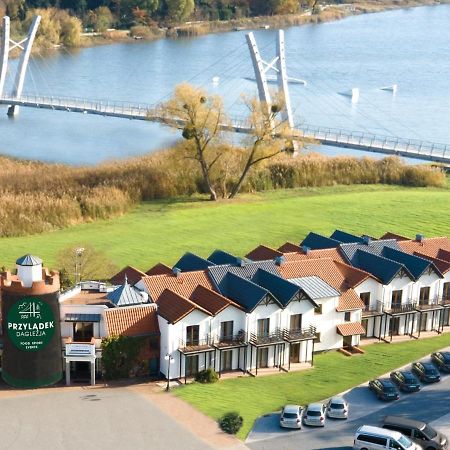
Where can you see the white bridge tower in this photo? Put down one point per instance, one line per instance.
(7, 45)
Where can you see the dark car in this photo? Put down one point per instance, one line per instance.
(426, 372)
(384, 388)
(442, 360)
(405, 380)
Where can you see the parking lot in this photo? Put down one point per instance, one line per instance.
(431, 404)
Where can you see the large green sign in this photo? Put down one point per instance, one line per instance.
(30, 324)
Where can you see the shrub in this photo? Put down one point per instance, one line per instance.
(231, 422)
(207, 376)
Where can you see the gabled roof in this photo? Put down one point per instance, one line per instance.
(211, 300)
(190, 262)
(283, 290)
(131, 273)
(183, 284)
(288, 247)
(349, 301)
(132, 321)
(442, 265)
(332, 253)
(243, 291)
(397, 237)
(315, 287)
(317, 241)
(174, 307)
(345, 238)
(374, 247)
(221, 257)
(444, 254)
(428, 246)
(159, 269)
(415, 265)
(350, 329)
(383, 268)
(29, 260)
(125, 295)
(262, 252)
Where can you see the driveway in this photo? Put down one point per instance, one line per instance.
(431, 404)
(100, 419)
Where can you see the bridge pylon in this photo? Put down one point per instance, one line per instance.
(7, 45)
(278, 64)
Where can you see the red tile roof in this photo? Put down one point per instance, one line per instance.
(434, 247)
(159, 269)
(263, 253)
(133, 275)
(339, 275)
(174, 307)
(332, 253)
(349, 301)
(132, 321)
(442, 265)
(397, 237)
(350, 329)
(288, 247)
(184, 284)
(210, 300)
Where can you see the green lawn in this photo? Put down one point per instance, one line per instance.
(164, 230)
(333, 373)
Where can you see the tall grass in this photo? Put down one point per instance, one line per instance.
(38, 197)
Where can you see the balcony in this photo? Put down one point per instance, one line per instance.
(275, 337)
(405, 307)
(235, 340)
(300, 334)
(429, 304)
(373, 309)
(444, 301)
(196, 345)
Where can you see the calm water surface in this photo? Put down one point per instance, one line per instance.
(407, 47)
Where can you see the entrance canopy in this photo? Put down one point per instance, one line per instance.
(350, 329)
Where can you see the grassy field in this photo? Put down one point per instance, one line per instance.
(333, 373)
(164, 230)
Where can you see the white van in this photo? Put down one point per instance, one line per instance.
(374, 438)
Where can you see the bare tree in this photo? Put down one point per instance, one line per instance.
(200, 117)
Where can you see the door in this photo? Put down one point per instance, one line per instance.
(394, 326)
(263, 327)
(294, 354)
(263, 357)
(226, 330)
(295, 322)
(347, 341)
(423, 321)
(365, 325)
(446, 316)
(227, 360)
(192, 335)
(191, 365)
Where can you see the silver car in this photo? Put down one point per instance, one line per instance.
(337, 408)
(291, 417)
(314, 415)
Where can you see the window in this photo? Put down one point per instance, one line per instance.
(318, 309)
(395, 444)
(192, 335)
(347, 316)
(446, 291)
(365, 297)
(424, 295)
(295, 322)
(83, 331)
(226, 329)
(263, 327)
(396, 299)
(317, 338)
(372, 439)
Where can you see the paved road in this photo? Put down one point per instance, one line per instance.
(100, 419)
(431, 404)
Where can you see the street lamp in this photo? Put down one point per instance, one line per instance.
(170, 360)
(78, 254)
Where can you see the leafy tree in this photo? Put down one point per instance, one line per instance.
(179, 10)
(100, 19)
(119, 355)
(71, 32)
(64, 280)
(199, 116)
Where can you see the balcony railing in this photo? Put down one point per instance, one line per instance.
(429, 303)
(193, 345)
(274, 337)
(444, 301)
(231, 340)
(398, 308)
(372, 308)
(299, 334)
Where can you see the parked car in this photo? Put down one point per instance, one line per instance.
(374, 438)
(314, 415)
(405, 380)
(337, 408)
(384, 388)
(291, 416)
(426, 372)
(442, 360)
(419, 432)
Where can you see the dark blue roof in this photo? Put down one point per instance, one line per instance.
(189, 262)
(346, 238)
(415, 265)
(383, 268)
(317, 241)
(221, 257)
(242, 291)
(281, 289)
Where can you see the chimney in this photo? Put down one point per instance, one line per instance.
(367, 240)
(240, 262)
(420, 237)
(279, 260)
(305, 249)
(176, 271)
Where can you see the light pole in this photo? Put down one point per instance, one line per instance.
(78, 254)
(170, 360)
